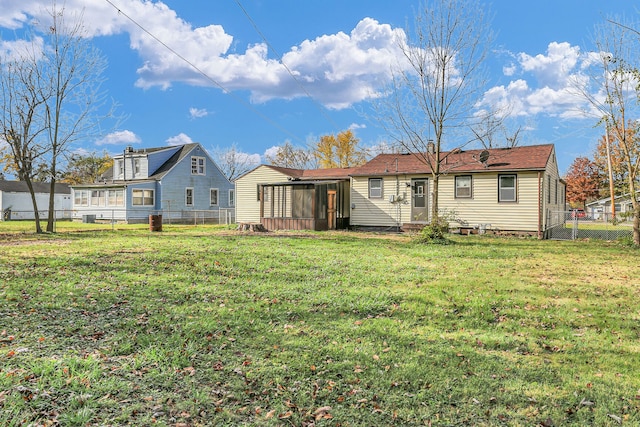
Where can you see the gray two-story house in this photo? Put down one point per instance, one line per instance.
(182, 183)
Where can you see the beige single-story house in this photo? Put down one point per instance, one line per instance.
(507, 189)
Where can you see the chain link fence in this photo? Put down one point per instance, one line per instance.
(577, 224)
(224, 216)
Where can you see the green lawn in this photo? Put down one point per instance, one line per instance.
(199, 326)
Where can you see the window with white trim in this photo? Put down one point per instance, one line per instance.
(116, 197)
(198, 166)
(81, 197)
(142, 197)
(98, 198)
(463, 186)
(375, 188)
(232, 197)
(188, 197)
(213, 197)
(507, 188)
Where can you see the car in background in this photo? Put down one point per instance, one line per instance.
(579, 214)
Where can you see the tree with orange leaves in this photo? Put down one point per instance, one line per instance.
(582, 182)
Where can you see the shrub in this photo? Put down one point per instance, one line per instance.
(435, 232)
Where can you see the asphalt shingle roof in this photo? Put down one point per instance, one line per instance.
(38, 187)
(529, 157)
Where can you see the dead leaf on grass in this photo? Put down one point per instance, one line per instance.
(615, 418)
(285, 415)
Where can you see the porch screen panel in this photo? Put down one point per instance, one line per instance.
(302, 202)
(321, 202)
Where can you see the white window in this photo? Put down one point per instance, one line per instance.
(116, 198)
(98, 198)
(463, 186)
(198, 166)
(214, 197)
(507, 188)
(136, 166)
(188, 197)
(121, 168)
(232, 197)
(81, 197)
(375, 188)
(142, 197)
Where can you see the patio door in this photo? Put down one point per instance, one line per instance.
(419, 200)
(331, 209)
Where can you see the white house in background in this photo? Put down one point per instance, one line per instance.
(601, 209)
(16, 203)
(179, 182)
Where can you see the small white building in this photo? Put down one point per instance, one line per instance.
(16, 203)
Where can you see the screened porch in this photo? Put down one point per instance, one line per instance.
(305, 205)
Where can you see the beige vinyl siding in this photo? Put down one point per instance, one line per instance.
(482, 208)
(554, 194)
(247, 204)
(379, 212)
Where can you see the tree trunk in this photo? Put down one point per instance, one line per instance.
(52, 213)
(36, 214)
(434, 201)
(636, 225)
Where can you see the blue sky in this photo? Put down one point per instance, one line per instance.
(340, 49)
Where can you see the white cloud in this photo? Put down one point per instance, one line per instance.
(179, 139)
(356, 126)
(197, 113)
(555, 67)
(543, 84)
(271, 151)
(119, 138)
(247, 158)
(336, 69)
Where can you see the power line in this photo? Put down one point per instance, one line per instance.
(203, 74)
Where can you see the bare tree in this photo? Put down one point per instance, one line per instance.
(59, 75)
(435, 90)
(493, 131)
(288, 156)
(233, 162)
(21, 107)
(612, 91)
(73, 75)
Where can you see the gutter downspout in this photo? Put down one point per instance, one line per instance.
(539, 207)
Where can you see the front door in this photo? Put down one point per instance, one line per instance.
(419, 200)
(331, 209)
